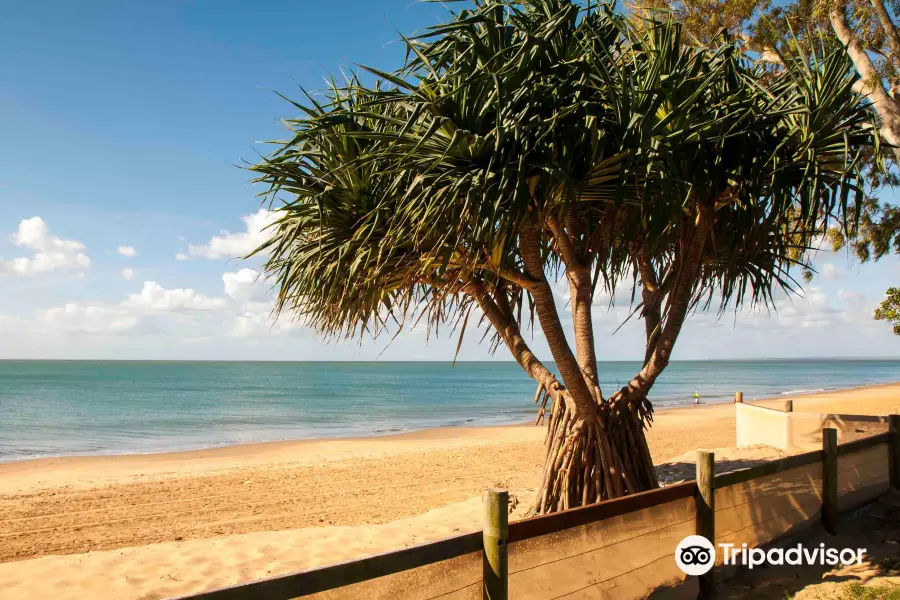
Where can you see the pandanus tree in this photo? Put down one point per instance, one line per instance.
(536, 142)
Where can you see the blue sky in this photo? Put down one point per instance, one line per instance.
(123, 123)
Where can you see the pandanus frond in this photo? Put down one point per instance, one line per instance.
(393, 198)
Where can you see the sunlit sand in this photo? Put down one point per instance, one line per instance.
(151, 526)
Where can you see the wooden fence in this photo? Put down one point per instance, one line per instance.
(493, 543)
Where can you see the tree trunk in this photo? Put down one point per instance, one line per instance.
(593, 458)
(582, 401)
(885, 105)
(592, 455)
(595, 448)
(597, 457)
(594, 452)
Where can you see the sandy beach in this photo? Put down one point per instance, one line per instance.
(153, 526)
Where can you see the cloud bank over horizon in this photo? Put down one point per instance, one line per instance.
(98, 309)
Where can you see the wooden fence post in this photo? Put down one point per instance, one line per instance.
(739, 396)
(706, 514)
(829, 479)
(789, 441)
(496, 526)
(894, 449)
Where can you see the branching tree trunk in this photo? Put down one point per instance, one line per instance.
(596, 447)
(603, 453)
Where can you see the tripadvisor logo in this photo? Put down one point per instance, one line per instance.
(696, 555)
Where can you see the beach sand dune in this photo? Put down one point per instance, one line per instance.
(158, 525)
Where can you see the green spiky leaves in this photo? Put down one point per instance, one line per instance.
(394, 198)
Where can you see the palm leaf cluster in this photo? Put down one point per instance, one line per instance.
(529, 141)
(396, 196)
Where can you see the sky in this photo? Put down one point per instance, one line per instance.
(123, 204)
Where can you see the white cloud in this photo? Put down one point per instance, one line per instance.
(127, 251)
(250, 324)
(829, 271)
(227, 322)
(255, 315)
(10, 326)
(245, 285)
(244, 311)
(173, 306)
(815, 309)
(234, 245)
(154, 297)
(50, 252)
(256, 319)
(858, 309)
(851, 297)
(820, 244)
(811, 310)
(89, 318)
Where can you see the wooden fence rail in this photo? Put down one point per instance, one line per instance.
(294, 585)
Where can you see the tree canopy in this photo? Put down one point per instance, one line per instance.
(866, 30)
(401, 187)
(890, 309)
(525, 142)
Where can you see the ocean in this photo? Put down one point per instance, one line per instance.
(58, 408)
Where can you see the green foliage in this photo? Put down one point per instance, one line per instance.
(871, 234)
(889, 310)
(395, 198)
(764, 28)
(704, 20)
(855, 591)
(765, 31)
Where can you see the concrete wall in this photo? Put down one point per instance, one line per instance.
(795, 431)
(758, 425)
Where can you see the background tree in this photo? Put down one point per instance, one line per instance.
(872, 233)
(890, 309)
(867, 31)
(529, 142)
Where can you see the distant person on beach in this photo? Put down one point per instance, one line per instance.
(696, 398)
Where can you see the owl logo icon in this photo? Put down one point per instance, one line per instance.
(695, 555)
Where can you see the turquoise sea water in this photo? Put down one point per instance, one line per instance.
(52, 408)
